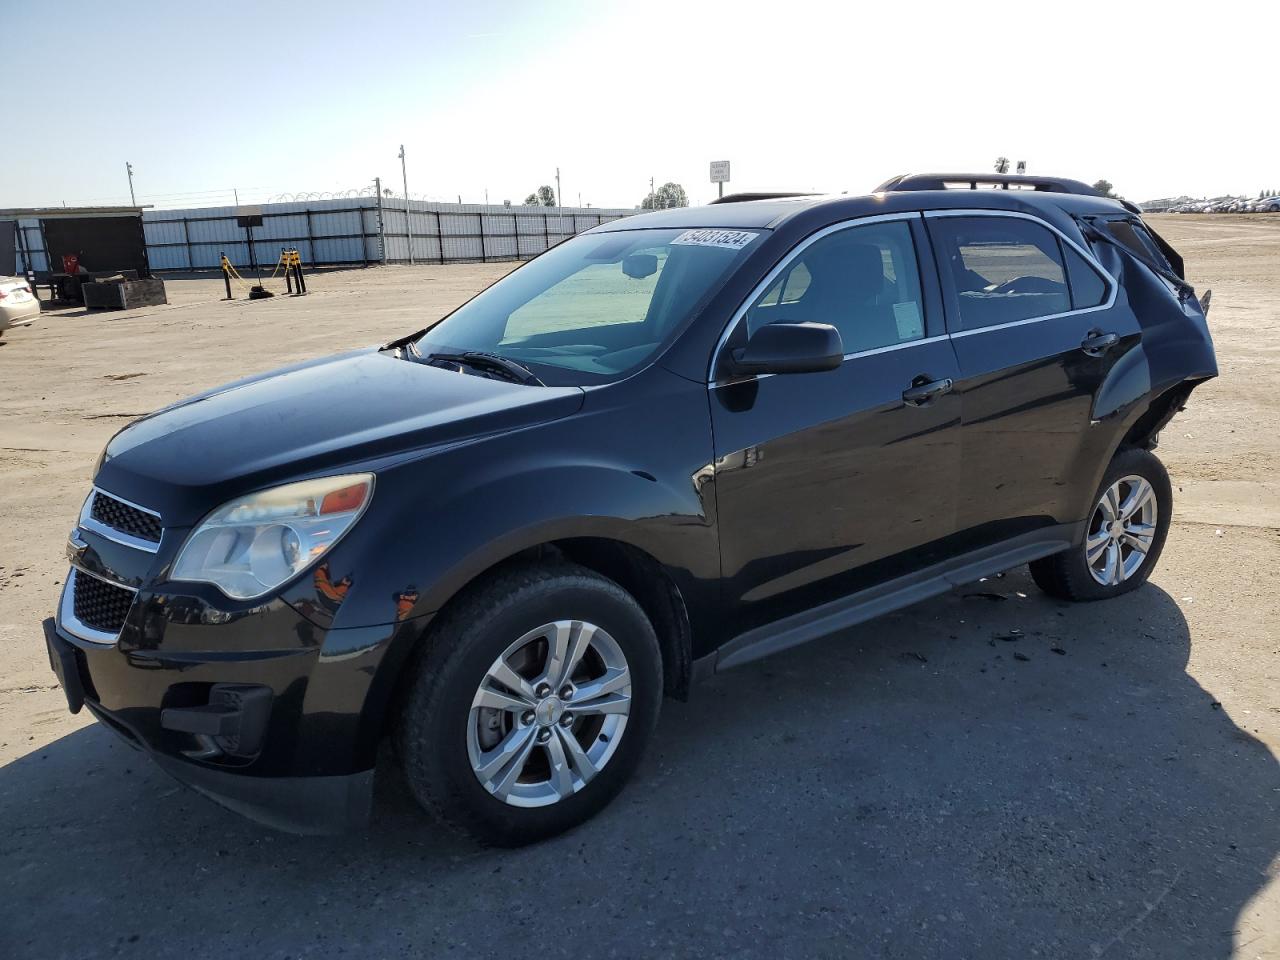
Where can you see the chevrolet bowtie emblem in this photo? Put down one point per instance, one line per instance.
(76, 545)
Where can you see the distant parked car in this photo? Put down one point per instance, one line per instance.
(1267, 205)
(19, 307)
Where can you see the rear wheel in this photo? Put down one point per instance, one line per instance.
(1124, 537)
(533, 704)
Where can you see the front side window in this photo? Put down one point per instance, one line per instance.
(864, 281)
(1003, 269)
(597, 305)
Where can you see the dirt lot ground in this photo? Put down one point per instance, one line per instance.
(905, 789)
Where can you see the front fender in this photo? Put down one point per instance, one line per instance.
(535, 507)
(439, 521)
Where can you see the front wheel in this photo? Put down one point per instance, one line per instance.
(533, 704)
(1124, 537)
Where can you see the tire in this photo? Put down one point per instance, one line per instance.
(445, 737)
(1071, 576)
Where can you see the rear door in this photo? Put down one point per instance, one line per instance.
(1036, 329)
(830, 482)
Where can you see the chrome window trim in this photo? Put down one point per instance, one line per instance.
(67, 610)
(759, 289)
(87, 522)
(1113, 287)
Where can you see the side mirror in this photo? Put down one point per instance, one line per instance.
(790, 348)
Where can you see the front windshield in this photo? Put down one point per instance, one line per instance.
(595, 306)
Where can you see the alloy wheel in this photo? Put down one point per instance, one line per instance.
(549, 713)
(1121, 531)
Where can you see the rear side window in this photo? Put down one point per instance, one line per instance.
(1004, 269)
(1088, 289)
(864, 281)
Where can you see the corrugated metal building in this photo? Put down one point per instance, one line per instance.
(345, 231)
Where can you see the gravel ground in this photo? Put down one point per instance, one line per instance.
(992, 773)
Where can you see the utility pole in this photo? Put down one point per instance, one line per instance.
(559, 195)
(407, 228)
(236, 193)
(653, 200)
(382, 240)
(129, 170)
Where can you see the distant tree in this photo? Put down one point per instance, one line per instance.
(544, 197)
(1106, 188)
(665, 197)
(386, 192)
(1002, 164)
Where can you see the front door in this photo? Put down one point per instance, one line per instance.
(834, 481)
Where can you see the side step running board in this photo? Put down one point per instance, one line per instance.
(893, 595)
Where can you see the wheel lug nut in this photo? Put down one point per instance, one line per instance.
(544, 689)
(566, 720)
(544, 735)
(527, 717)
(566, 693)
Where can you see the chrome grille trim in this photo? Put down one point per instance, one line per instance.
(67, 618)
(87, 522)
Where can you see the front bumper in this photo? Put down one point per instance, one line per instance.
(274, 707)
(295, 753)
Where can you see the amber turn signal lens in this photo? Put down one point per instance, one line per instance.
(344, 500)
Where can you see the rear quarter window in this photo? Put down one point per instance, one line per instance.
(1088, 289)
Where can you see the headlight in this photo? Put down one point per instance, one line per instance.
(252, 545)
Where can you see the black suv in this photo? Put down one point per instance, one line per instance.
(670, 445)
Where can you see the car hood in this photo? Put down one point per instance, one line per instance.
(323, 415)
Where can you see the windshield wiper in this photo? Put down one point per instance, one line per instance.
(490, 363)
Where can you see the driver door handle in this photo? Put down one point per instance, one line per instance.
(921, 393)
(1097, 343)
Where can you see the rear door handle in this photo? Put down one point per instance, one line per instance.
(1097, 343)
(921, 393)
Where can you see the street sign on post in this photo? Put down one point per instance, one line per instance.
(720, 173)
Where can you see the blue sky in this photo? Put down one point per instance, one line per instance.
(287, 97)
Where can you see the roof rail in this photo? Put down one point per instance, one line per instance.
(993, 181)
(744, 197)
(985, 181)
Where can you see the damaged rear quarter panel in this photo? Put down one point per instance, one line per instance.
(1175, 352)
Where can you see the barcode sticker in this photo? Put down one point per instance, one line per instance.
(728, 239)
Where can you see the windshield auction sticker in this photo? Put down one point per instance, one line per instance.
(728, 239)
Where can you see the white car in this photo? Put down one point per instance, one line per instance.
(19, 307)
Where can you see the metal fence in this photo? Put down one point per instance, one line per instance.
(353, 231)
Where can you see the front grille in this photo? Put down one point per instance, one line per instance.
(119, 515)
(100, 605)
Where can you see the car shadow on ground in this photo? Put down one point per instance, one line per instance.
(991, 774)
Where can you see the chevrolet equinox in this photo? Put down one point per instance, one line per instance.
(667, 446)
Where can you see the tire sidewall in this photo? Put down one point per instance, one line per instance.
(441, 755)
